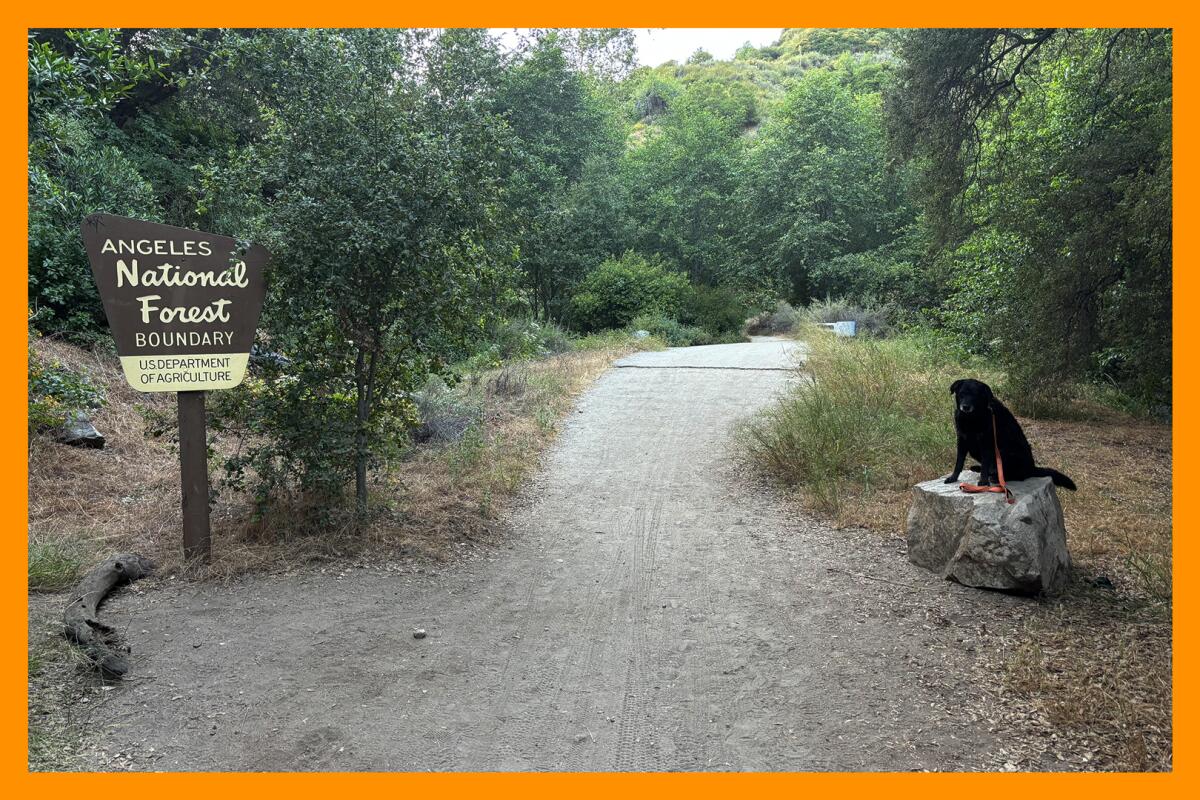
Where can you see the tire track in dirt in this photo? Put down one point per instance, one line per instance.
(636, 749)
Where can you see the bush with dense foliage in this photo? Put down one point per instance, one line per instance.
(670, 331)
(719, 310)
(507, 340)
(57, 392)
(620, 289)
(77, 166)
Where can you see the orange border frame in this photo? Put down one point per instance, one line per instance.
(628, 13)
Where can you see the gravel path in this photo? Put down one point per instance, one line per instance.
(651, 609)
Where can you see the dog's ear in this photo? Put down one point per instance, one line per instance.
(990, 395)
(955, 386)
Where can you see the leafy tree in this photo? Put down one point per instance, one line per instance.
(949, 81)
(382, 153)
(835, 41)
(76, 165)
(683, 178)
(818, 187)
(560, 123)
(605, 54)
(1047, 177)
(747, 52)
(720, 311)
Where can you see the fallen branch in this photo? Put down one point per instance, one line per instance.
(84, 628)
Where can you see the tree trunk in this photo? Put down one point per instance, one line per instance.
(365, 373)
(362, 412)
(83, 627)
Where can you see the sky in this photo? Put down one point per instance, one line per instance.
(656, 45)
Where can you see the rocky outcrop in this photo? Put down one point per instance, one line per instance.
(980, 540)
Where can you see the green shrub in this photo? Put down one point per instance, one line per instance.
(78, 163)
(488, 356)
(875, 412)
(57, 392)
(78, 175)
(717, 310)
(517, 339)
(294, 437)
(623, 288)
(510, 340)
(674, 333)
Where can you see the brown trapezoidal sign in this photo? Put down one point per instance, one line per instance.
(183, 305)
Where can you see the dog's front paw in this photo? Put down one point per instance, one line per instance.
(951, 479)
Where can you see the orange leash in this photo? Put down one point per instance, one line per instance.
(1003, 487)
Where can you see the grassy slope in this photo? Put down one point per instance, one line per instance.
(1090, 670)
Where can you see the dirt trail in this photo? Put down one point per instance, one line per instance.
(649, 610)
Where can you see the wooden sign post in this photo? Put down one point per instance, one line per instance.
(183, 306)
(193, 472)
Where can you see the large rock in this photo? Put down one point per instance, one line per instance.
(980, 540)
(78, 431)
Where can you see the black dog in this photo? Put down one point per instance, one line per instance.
(974, 408)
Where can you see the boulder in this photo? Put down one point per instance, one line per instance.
(980, 540)
(78, 431)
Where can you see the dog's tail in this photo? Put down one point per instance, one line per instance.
(1056, 476)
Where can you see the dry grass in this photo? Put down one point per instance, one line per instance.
(1120, 519)
(1119, 522)
(61, 678)
(96, 502)
(458, 491)
(87, 504)
(867, 421)
(1096, 662)
(1094, 668)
